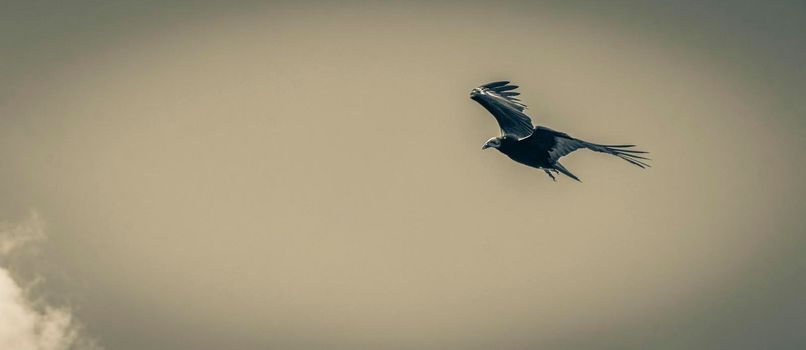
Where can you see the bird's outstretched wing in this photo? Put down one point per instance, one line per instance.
(499, 99)
(560, 144)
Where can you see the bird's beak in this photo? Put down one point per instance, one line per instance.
(486, 146)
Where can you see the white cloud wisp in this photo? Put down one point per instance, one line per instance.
(26, 324)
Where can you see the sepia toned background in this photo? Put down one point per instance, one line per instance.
(307, 175)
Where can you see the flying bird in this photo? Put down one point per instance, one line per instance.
(537, 147)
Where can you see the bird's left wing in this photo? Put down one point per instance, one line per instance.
(499, 99)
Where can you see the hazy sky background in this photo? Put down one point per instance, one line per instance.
(306, 175)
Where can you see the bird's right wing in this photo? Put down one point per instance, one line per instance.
(560, 144)
(499, 99)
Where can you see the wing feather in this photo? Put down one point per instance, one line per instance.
(495, 84)
(499, 100)
(564, 144)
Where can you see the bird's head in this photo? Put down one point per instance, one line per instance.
(494, 142)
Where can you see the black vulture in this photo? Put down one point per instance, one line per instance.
(537, 147)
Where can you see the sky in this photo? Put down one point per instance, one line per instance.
(309, 175)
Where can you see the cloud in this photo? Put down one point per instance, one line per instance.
(16, 236)
(26, 324)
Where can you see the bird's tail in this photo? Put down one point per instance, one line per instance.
(634, 157)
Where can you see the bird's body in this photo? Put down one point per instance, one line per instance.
(537, 147)
(532, 151)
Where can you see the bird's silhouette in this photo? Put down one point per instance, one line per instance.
(538, 147)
